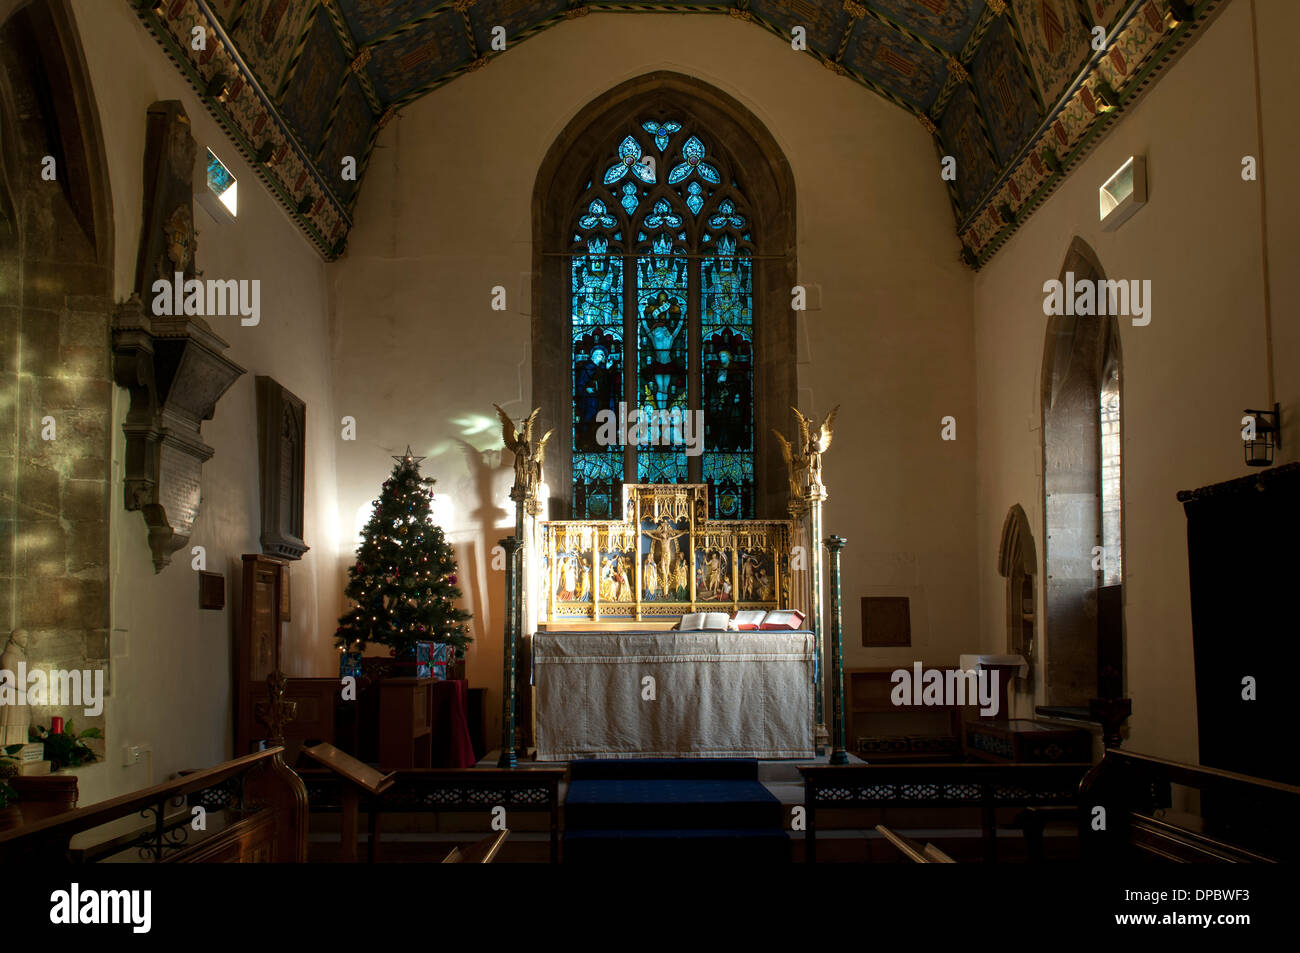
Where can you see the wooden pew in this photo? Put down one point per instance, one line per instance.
(256, 812)
(937, 856)
(929, 854)
(453, 790)
(906, 846)
(482, 852)
(988, 787)
(1241, 819)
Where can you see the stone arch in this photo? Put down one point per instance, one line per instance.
(1018, 564)
(1016, 549)
(769, 186)
(1078, 353)
(56, 289)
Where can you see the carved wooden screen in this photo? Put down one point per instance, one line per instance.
(665, 558)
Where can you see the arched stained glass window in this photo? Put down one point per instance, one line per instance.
(662, 322)
(1112, 546)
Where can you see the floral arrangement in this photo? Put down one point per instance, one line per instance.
(66, 750)
(8, 769)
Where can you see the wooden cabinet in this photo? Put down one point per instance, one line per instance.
(878, 730)
(262, 611)
(1243, 563)
(1024, 740)
(405, 723)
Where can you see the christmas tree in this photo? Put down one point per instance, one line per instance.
(404, 580)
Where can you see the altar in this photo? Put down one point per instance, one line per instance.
(592, 668)
(667, 694)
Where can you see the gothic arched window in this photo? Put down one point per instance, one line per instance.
(1082, 504)
(664, 254)
(662, 319)
(1112, 546)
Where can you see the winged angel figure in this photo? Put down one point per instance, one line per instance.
(528, 455)
(813, 442)
(794, 464)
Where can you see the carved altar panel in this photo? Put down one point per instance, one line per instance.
(665, 558)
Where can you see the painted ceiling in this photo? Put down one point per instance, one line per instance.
(1015, 91)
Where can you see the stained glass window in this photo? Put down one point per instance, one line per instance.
(673, 305)
(1112, 546)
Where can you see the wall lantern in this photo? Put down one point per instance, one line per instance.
(1261, 433)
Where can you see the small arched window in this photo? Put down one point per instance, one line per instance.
(1018, 563)
(1112, 547)
(662, 321)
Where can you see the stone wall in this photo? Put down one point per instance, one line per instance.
(55, 391)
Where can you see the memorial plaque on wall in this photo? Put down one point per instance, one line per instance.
(171, 363)
(886, 621)
(282, 419)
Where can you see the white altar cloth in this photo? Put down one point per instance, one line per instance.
(715, 695)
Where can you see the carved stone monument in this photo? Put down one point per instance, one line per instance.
(171, 364)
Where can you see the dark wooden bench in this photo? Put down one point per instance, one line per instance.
(454, 790)
(988, 787)
(929, 854)
(254, 808)
(1239, 818)
(483, 852)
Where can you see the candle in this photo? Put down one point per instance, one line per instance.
(56, 725)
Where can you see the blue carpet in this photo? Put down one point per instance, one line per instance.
(667, 809)
(664, 769)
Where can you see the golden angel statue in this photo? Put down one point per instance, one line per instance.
(794, 464)
(814, 443)
(528, 454)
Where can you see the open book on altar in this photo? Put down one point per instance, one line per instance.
(746, 620)
(705, 622)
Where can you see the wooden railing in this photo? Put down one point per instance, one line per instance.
(1241, 819)
(463, 791)
(987, 787)
(254, 810)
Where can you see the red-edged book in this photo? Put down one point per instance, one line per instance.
(783, 619)
(749, 620)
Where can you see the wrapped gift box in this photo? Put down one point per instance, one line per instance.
(442, 656)
(350, 664)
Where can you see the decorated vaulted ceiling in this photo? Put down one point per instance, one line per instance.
(1016, 91)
